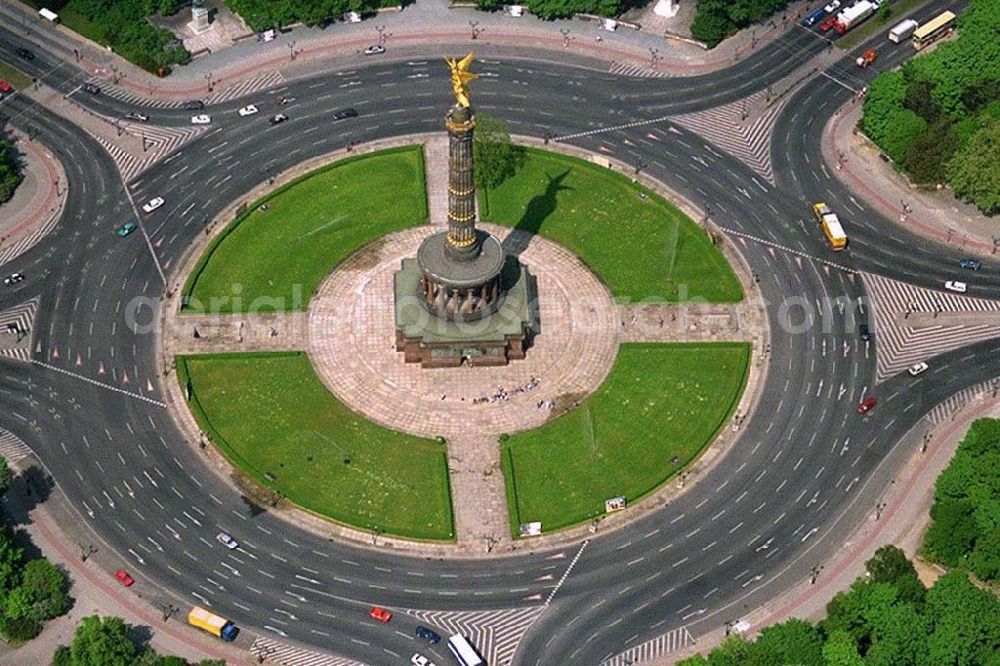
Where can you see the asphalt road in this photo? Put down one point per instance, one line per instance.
(807, 469)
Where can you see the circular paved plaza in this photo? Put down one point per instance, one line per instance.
(352, 333)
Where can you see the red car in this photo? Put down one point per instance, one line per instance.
(124, 578)
(867, 404)
(380, 614)
(5, 87)
(827, 24)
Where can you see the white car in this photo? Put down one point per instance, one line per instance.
(201, 119)
(374, 49)
(955, 285)
(420, 660)
(832, 7)
(152, 204)
(915, 370)
(227, 541)
(248, 110)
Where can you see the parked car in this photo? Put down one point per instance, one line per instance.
(971, 264)
(201, 119)
(428, 635)
(375, 49)
(827, 24)
(124, 578)
(126, 229)
(277, 119)
(867, 404)
(916, 369)
(248, 110)
(380, 614)
(227, 541)
(135, 115)
(832, 7)
(22, 52)
(5, 87)
(152, 204)
(811, 19)
(345, 113)
(193, 105)
(955, 285)
(13, 279)
(92, 89)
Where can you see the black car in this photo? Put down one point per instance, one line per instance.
(345, 113)
(193, 105)
(864, 332)
(24, 53)
(278, 119)
(428, 635)
(92, 89)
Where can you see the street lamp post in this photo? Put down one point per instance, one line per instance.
(291, 50)
(476, 30)
(654, 56)
(565, 35)
(211, 84)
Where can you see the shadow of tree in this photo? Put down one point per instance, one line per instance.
(539, 208)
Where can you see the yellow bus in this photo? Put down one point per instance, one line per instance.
(933, 30)
(832, 228)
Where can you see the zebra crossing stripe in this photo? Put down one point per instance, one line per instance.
(625, 69)
(900, 343)
(495, 633)
(656, 648)
(22, 316)
(111, 89)
(162, 141)
(12, 447)
(247, 87)
(27, 242)
(944, 410)
(276, 652)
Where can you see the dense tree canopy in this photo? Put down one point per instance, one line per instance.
(108, 641)
(495, 157)
(717, 19)
(936, 117)
(265, 14)
(10, 173)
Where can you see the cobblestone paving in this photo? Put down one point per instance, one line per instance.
(667, 322)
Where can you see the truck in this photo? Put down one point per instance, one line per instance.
(867, 58)
(213, 624)
(902, 31)
(854, 15)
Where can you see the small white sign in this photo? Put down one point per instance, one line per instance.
(531, 529)
(614, 504)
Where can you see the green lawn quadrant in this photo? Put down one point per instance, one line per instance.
(274, 259)
(658, 408)
(642, 247)
(275, 420)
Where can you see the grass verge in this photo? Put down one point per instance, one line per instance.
(274, 419)
(275, 258)
(640, 245)
(876, 23)
(659, 407)
(14, 76)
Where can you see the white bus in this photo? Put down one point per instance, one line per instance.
(902, 30)
(464, 652)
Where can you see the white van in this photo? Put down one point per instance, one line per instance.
(902, 31)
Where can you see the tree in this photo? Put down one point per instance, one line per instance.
(5, 476)
(496, 158)
(890, 565)
(964, 622)
(972, 171)
(791, 642)
(840, 650)
(103, 641)
(10, 562)
(41, 594)
(10, 171)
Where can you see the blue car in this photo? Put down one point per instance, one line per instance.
(971, 264)
(428, 635)
(812, 19)
(126, 229)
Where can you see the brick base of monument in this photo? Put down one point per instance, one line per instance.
(446, 355)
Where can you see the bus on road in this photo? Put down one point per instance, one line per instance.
(832, 228)
(933, 30)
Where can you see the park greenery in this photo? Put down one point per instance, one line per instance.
(265, 14)
(886, 617)
(965, 531)
(10, 170)
(660, 405)
(718, 19)
(109, 641)
(554, 9)
(32, 590)
(277, 422)
(642, 247)
(319, 219)
(938, 116)
(124, 26)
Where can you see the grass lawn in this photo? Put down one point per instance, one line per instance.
(14, 77)
(660, 405)
(278, 256)
(640, 245)
(275, 420)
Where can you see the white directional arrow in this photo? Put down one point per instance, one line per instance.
(137, 556)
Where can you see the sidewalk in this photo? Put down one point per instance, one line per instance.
(37, 202)
(422, 23)
(938, 216)
(902, 522)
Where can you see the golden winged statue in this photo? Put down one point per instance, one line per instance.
(460, 78)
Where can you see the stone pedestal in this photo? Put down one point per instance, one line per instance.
(199, 20)
(666, 8)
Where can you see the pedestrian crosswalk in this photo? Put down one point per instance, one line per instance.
(268, 650)
(913, 324)
(742, 128)
(17, 325)
(626, 69)
(495, 634)
(25, 243)
(246, 87)
(657, 648)
(944, 411)
(159, 142)
(12, 447)
(109, 88)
